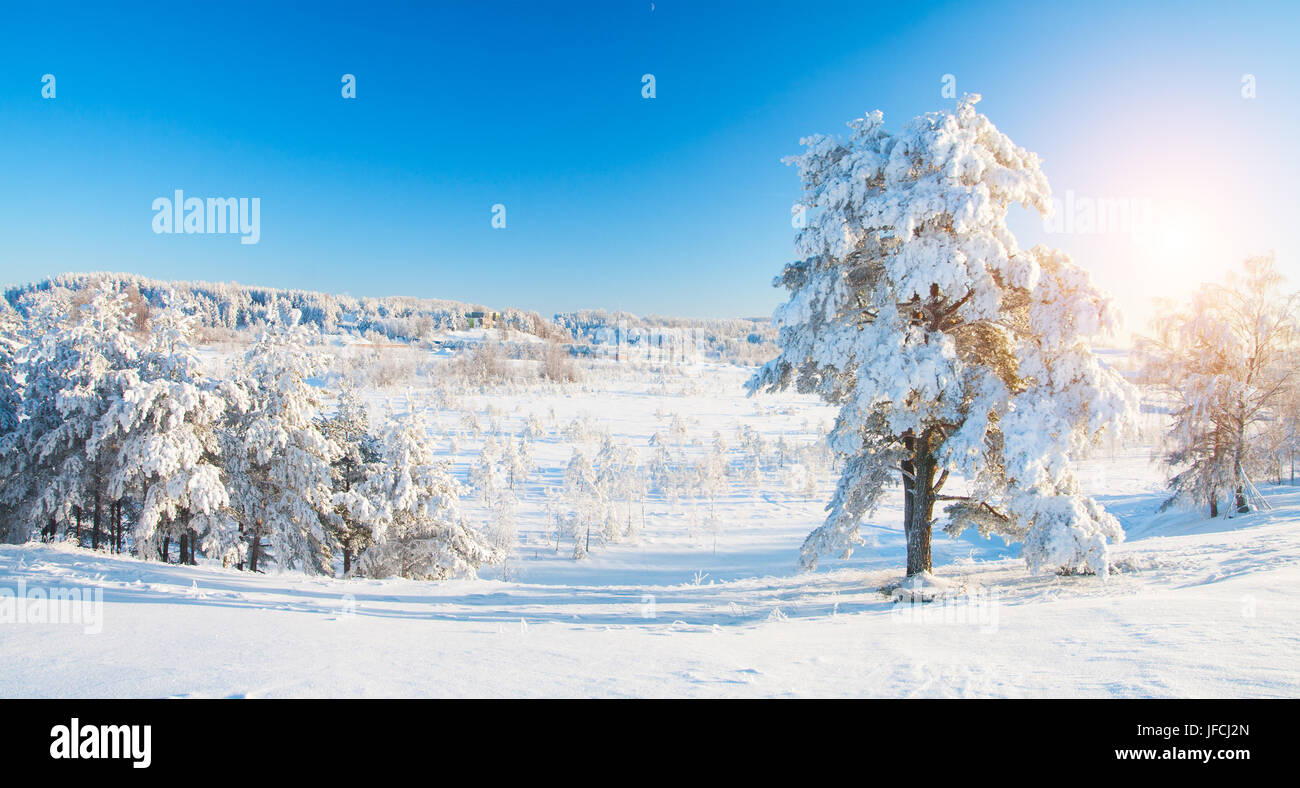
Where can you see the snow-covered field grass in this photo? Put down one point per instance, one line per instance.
(690, 606)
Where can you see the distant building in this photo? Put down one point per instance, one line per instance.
(482, 319)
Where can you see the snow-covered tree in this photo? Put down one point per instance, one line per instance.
(518, 461)
(677, 427)
(74, 370)
(1282, 434)
(278, 459)
(487, 475)
(801, 480)
(711, 483)
(636, 487)
(1227, 361)
(948, 349)
(533, 429)
(661, 463)
(11, 342)
(782, 451)
(162, 435)
(349, 428)
(754, 449)
(585, 501)
(616, 474)
(493, 477)
(417, 530)
(470, 425)
(503, 523)
(20, 470)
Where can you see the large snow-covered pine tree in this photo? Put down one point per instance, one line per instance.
(948, 349)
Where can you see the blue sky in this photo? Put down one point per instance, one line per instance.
(676, 205)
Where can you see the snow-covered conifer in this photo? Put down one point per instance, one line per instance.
(74, 371)
(11, 341)
(278, 459)
(948, 349)
(163, 439)
(417, 529)
(349, 428)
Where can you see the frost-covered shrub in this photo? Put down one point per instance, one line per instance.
(557, 364)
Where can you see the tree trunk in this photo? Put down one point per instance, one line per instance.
(166, 549)
(1215, 459)
(191, 541)
(1239, 468)
(94, 534)
(918, 502)
(253, 544)
(1239, 491)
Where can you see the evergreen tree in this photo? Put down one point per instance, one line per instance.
(11, 344)
(948, 349)
(164, 443)
(349, 429)
(81, 360)
(417, 530)
(279, 461)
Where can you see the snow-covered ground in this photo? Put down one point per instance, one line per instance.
(1195, 607)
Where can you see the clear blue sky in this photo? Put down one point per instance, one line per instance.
(676, 205)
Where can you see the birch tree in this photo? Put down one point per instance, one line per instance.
(1226, 361)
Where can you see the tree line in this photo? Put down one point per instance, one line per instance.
(114, 437)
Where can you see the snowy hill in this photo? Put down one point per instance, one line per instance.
(231, 306)
(1190, 599)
